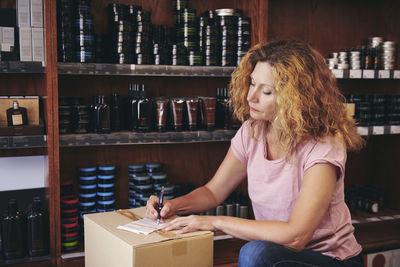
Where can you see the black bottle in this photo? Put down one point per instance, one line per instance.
(92, 112)
(13, 232)
(102, 116)
(132, 109)
(116, 114)
(16, 115)
(36, 230)
(144, 112)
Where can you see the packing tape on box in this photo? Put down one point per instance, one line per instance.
(179, 248)
(130, 215)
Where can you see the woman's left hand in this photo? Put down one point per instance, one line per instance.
(190, 223)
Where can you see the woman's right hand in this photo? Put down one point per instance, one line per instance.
(152, 209)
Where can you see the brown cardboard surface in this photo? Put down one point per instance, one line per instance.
(105, 245)
(31, 105)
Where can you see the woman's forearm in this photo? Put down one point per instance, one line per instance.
(199, 200)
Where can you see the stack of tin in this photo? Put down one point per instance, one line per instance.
(187, 36)
(143, 40)
(65, 30)
(69, 218)
(208, 39)
(393, 107)
(178, 5)
(355, 60)
(227, 22)
(65, 115)
(105, 188)
(87, 191)
(140, 187)
(244, 37)
(161, 45)
(80, 118)
(388, 55)
(84, 33)
(120, 33)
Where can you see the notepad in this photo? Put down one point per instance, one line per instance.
(142, 226)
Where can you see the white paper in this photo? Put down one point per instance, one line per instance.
(142, 226)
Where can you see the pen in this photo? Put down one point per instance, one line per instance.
(160, 204)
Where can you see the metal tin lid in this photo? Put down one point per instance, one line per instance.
(159, 175)
(229, 12)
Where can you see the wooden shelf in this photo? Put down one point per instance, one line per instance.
(132, 138)
(17, 142)
(21, 67)
(41, 261)
(143, 70)
(367, 74)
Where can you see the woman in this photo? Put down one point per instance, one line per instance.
(292, 148)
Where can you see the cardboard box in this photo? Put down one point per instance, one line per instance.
(23, 13)
(31, 103)
(25, 44)
(37, 44)
(36, 13)
(107, 246)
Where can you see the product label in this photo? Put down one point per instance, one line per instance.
(378, 130)
(339, 74)
(355, 74)
(396, 74)
(394, 129)
(384, 74)
(369, 74)
(17, 119)
(362, 130)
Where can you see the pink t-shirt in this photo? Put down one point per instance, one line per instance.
(274, 186)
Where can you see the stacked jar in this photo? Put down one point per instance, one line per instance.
(65, 30)
(227, 21)
(80, 118)
(209, 38)
(187, 36)
(143, 39)
(161, 53)
(159, 180)
(69, 218)
(178, 5)
(378, 111)
(105, 188)
(393, 106)
(65, 115)
(121, 33)
(87, 192)
(140, 187)
(244, 37)
(84, 33)
(388, 55)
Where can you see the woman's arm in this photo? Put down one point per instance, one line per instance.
(228, 176)
(316, 192)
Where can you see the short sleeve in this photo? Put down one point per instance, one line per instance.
(239, 143)
(328, 150)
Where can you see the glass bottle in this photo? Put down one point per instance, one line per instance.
(144, 112)
(116, 120)
(17, 115)
(12, 232)
(133, 107)
(36, 230)
(93, 112)
(103, 116)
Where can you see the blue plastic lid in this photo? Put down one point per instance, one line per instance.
(87, 195)
(105, 194)
(105, 210)
(106, 185)
(89, 169)
(90, 186)
(88, 178)
(105, 177)
(87, 204)
(136, 167)
(106, 202)
(106, 168)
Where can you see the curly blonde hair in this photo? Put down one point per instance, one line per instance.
(310, 105)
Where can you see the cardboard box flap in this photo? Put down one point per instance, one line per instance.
(111, 220)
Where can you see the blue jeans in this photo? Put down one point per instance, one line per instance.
(263, 253)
